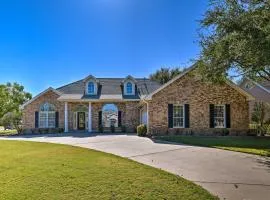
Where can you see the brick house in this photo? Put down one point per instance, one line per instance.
(184, 105)
(260, 91)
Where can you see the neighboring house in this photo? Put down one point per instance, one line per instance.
(260, 91)
(185, 104)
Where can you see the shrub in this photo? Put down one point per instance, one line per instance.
(60, 130)
(225, 132)
(100, 129)
(112, 128)
(142, 130)
(123, 129)
(43, 130)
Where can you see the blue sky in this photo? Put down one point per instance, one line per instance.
(54, 42)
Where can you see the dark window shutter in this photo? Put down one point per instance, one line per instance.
(119, 118)
(170, 115)
(56, 119)
(211, 114)
(100, 118)
(186, 115)
(136, 90)
(228, 116)
(36, 119)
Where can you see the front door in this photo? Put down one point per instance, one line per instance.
(81, 121)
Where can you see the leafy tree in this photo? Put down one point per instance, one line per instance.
(164, 75)
(13, 119)
(12, 96)
(235, 37)
(4, 100)
(260, 116)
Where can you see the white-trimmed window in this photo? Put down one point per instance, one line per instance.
(47, 116)
(129, 88)
(219, 116)
(91, 88)
(178, 116)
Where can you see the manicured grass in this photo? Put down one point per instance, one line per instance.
(30, 170)
(252, 145)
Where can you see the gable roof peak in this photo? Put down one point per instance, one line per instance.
(129, 77)
(90, 77)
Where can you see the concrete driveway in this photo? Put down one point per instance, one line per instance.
(230, 175)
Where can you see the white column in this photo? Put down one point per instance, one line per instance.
(66, 116)
(90, 117)
(147, 114)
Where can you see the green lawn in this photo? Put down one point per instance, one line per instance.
(252, 145)
(30, 170)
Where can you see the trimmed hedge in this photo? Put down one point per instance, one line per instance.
(141, 130)
(43, 130)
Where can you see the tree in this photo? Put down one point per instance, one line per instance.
(12, 96)
(13, 120)
(235, 37)
(260, 116)
(163, 75)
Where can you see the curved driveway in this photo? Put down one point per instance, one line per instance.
(230, 175)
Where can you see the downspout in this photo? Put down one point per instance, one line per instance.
(147, 112)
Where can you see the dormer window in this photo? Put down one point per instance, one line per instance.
(91, 85)
(91, 88)
(129, 85)
(129, 88)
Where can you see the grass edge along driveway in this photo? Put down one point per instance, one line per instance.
(252, 145)
(32, 170)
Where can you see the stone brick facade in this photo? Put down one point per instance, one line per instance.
(130, 112)
(30, 109)
(190, 89)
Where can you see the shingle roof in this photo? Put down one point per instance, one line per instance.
(110, 87)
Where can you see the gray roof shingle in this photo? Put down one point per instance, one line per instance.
(111, 86)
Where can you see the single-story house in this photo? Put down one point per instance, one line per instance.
(184, 105)
(259, 90)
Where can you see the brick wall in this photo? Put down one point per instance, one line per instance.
(130, 112)
(198, 94)
(30, 109)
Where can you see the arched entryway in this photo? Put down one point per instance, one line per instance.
(110, 115)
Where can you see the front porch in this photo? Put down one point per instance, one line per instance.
(94, 116)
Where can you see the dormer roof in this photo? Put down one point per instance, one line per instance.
(129, 77)
(90, 77)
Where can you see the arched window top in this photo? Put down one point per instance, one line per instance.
(47, 107)
(129, 88)
(110, 107)
(91, 87)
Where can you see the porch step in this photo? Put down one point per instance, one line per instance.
(108, 130)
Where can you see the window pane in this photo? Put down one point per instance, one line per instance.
(219, 122)
(178, 111)
(178, 122)
(129, 88)
(178, 116)
(47, 107)
(219, 111)
(91, 88)
(47, 119)
(42, 119)
(51, 120)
